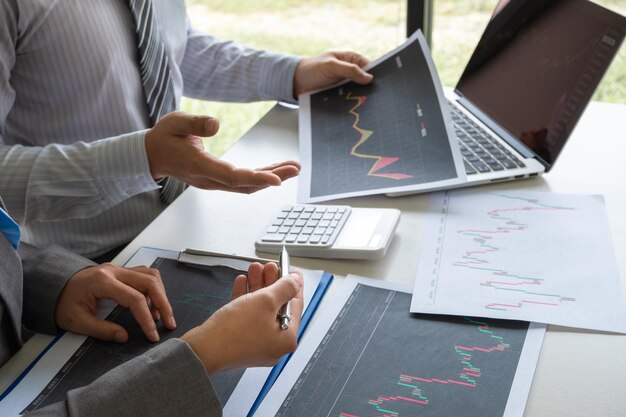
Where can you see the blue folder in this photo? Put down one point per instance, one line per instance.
(325, 281)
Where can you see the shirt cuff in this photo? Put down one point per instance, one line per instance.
(121, 167)
(276, 76)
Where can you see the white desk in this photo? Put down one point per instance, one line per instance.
(579, 373)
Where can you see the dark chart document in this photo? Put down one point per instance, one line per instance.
(195, 292)
(390, 133)
(378, 360)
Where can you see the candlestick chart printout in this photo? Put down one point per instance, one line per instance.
(534, 256)
(378, 360)
(195, 292)
(391, 134)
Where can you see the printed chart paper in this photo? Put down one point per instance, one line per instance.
(367, 356)
(75, 360)
(532, 256)
(393, 135)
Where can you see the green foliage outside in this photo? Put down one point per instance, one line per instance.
(370, 27)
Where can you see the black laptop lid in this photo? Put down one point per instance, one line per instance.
(537, 65)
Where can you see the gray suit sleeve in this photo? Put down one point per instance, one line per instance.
(169, 380)
(46, 271)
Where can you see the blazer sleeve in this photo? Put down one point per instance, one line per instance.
(46, 271)
(168, 380)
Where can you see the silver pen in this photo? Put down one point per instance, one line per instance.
(284, 314)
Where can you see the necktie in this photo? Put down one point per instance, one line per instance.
(155, 77)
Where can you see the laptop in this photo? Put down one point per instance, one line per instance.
(527, 83)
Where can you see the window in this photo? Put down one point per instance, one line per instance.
(370, 27)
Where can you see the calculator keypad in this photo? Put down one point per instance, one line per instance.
(307, 224)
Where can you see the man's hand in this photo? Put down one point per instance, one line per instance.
(327, 69)
(139, 289)
(246, 332)
(174, 147)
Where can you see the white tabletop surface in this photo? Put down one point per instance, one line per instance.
(580, 373)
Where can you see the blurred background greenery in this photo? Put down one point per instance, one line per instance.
(370, 27)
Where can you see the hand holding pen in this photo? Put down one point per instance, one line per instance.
(247, 325)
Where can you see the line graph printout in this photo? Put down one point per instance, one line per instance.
(194, 298)
(369, 357)
(196, 287)
(392, 135)
(534, 256)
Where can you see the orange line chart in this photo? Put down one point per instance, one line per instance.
(364, 134)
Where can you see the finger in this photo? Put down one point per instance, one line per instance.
(155, 313)
(156, 316)
(208, 184)
(146, 270)
(243, 177)
(353, 58)
(135, 301)
(287, 288)
(150, 271)
(270, 274)
(351, 71)
(151, 285)
(278, 176)
(240, 286)
(213, 185)
(88, 324)
(255, 277)
(286, 172)
(296, 305)
(180, 123)
(217, 170)
(281, 164)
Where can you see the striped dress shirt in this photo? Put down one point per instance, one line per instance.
(73, 115)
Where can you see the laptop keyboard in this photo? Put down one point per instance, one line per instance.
(481, 152)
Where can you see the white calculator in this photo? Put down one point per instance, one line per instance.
(325, 231)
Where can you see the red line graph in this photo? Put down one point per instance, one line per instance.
(468, 376)
(364, 134)
(477, 259)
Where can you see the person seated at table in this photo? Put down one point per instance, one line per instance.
(52, 288)
(87, 160)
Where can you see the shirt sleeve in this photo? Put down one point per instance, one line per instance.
(168, 380)
(46, 271)
(226, 71)
(59, 182)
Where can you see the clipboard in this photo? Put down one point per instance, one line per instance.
(34, 379)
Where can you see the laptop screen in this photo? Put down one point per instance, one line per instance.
(537, 65)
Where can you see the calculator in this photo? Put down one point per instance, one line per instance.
(327, 231)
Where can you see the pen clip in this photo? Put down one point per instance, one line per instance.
(283, 262)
